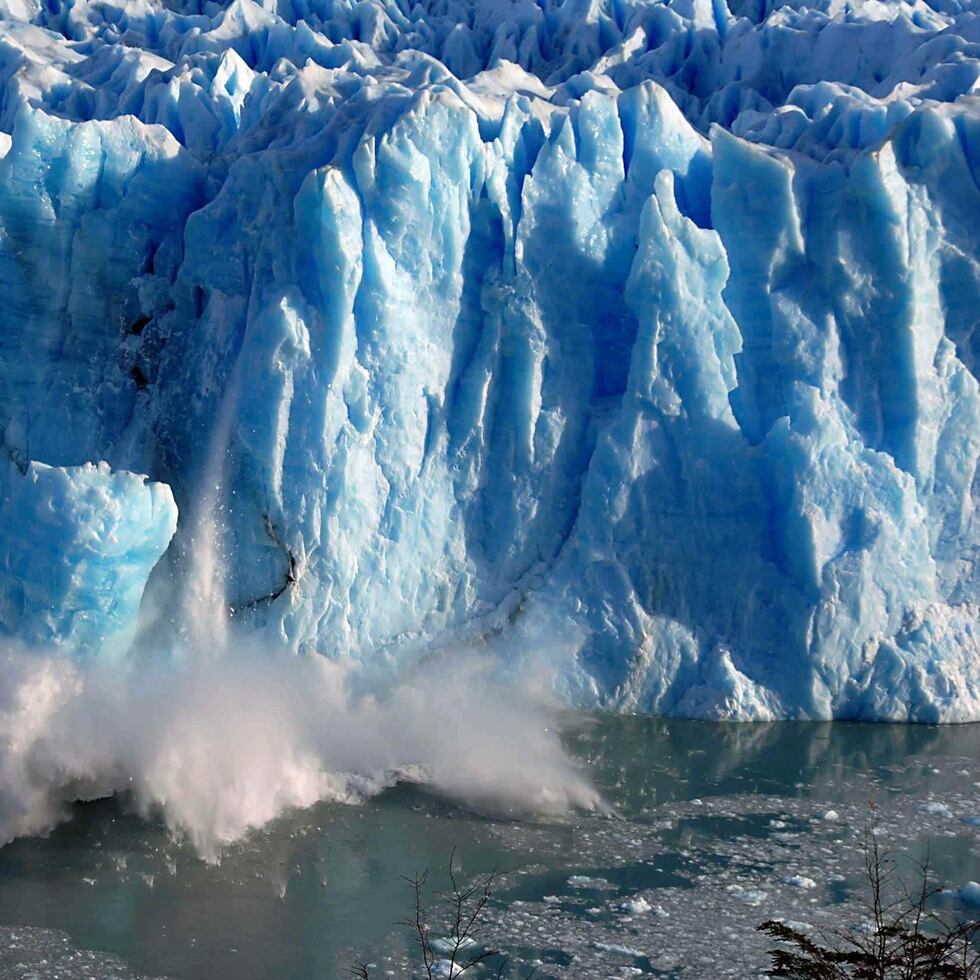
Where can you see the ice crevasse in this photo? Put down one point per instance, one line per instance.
(638, 340)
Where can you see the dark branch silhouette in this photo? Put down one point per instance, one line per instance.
(467, 904)
(905, 939)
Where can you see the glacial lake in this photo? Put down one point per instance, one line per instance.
(716, 828)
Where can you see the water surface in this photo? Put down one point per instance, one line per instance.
(717, 827)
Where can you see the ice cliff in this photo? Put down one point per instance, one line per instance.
(636, 341)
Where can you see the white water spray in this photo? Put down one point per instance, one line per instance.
(225, 736)
(221, 745)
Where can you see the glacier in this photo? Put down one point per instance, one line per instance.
(634, 342)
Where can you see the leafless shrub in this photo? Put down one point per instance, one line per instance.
(905, 938)
(466, 905)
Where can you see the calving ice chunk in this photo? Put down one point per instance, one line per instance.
(76, 546)
(633, 342)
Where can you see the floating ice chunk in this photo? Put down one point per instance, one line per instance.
(970, 894)
(751, 896)
(448, 944)
(636, 906)
(800, 881)
(618, 949)
(797, 925)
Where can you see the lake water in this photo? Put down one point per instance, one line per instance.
(716, 828)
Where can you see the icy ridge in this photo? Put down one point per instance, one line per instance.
(639, 339)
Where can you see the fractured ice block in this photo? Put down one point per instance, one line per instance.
(76, 547)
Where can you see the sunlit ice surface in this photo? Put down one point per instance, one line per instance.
(378, 380)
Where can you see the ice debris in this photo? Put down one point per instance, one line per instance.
(969, 894)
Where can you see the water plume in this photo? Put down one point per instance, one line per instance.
(219, 745)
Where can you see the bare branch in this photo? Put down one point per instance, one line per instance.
(908, 940)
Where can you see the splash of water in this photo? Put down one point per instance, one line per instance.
(223, 736)
(219, 745)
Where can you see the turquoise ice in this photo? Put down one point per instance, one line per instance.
(76, 546)
(636, 342)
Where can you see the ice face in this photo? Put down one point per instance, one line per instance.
(76, 546)
(635, 342)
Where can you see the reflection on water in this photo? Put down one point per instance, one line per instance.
(289, 901)
(639, 762)
(284, 903)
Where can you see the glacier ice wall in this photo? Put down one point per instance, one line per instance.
(634, 338)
